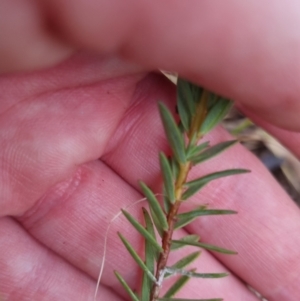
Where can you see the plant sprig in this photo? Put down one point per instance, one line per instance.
(199, 112)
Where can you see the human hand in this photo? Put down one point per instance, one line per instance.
(57, 123)
(57, 198)
(247, 51)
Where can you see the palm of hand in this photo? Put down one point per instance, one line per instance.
(58, 197)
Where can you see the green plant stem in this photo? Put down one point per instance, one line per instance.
(199, 111)
(184, 169)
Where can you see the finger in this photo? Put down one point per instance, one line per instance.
(253, 58)
(25, 41)
(72, 219)
(31, 272)
(265, 231)
(47, 134)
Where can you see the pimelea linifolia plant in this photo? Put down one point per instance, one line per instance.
(199, 112)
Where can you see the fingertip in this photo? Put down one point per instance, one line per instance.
(44, 54)
(27, 43)
(101, 26)
(246, 51)
(282, 114)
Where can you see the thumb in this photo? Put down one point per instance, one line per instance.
(247, 51)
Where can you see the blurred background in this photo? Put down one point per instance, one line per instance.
(284, 166)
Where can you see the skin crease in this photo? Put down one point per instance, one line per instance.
(77, 136)
(253, 43)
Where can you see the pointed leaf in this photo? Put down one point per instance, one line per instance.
(188, 94)
(213, 151)
(126, 287)
(136, 257)
(216, 248)
(184, 115)
(167, 203)
(212, 101)
(215, 115)
(150, 255)
(206, 275)
(148, 222)
(150, 229)
(184, 262)
(188, 238)
(174, 167)
(177, 286)
(196, 275)
(193, 150)
(155, 206)
(205, 246)
(195, 185)
(142, 230)
(185, 103)
(181, 128)
(167, 177)
(173, 134)
(197, 92)
(146, 288)
(185, 218)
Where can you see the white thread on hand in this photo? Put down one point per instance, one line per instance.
(105, 242)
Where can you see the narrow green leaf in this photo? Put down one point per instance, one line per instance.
(194, 150)
(215, 115)
(181, 128)
(197, 92)
(213, 151)
(204, 246)
(187, 238)
(142, 230)
(146, 288)
(183, 299)
(173, 134)
(184, 262)
(155, 206)
(167, 177)
(126, 287)
(186, 94)
(156, 222)
(150, 255)
(177, 286)
(184, 115)
(212, 100)
(216, 248)
(136, 257)
(185, 102)
(185, 218)
(195, 185)
(196, 275)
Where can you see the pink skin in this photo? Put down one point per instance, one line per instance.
(75, 138)
(248, 51)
